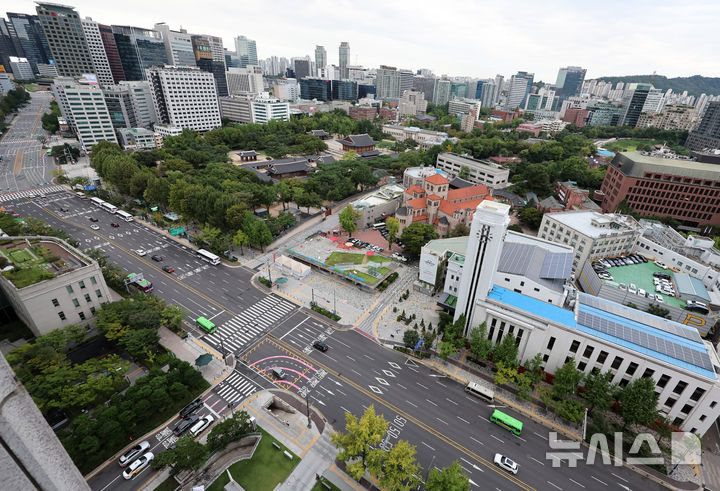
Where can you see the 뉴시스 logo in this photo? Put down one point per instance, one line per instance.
(685, 448)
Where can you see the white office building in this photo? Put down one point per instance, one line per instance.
(141, 98)
(241, 80)
(97, 52)
(83, 106)
(21, 68)
(266, 108)
(597, 333)
(185, 97)
(178, 45)
(6, 83)
(492, 175)
(591, 234)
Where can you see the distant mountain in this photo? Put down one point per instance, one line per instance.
(695, 85)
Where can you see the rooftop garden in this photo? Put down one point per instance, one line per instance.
(31, 264)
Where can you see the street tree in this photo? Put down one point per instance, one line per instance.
(393, 225)
(464, 172)
(416, 235)
(447, 348)
(505, 374)
(186, 455)
(240, 239)
(599, 390)
(261, 233)
(348, 219)
(450, 478)
(533, 369)
(566, 380)
(638, 402)
(411, 338)
(229, 430)
(172, 316)
(480, 345)
(360, 437)
(506, 351)
(396, 469)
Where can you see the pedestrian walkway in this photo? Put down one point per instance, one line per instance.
(238, 332)
(236, 387)
(34, 192)
(189, 349)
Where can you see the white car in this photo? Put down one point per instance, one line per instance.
(200, 426)
(134, 452)
(632, 288)
(641, 292)
(660, 264)
(138, 466)
(140, 252)
(505, 463)
(94, 227)
(659, 299)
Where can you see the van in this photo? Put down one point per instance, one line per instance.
(200, 426)
(81, 195)
(697, 307)
(278, 373)
(479, 391)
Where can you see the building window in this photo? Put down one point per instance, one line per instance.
(602, 357)
(82, 284)
(616, 363)
(545, 358)
(581, 366)
(648, 373)
(551, 343)
(93, 280)
(702, 418)
(55, 302)
(680, 387)
(588, 351)
(697, 394)
(69, 288)
(670, 402)
(75, 302)
(82, 316)
(663, 381)
(61, 314)
(87, 298)
(686, 409)
(623, 382)
(678, 421)
(574, 346)
(98, 293)
(631, 368)
(92, 310)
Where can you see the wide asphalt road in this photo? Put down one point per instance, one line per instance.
(433, 413)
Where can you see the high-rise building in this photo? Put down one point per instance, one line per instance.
(287, 89)
(178, 45)
(30, 36)
(185, 97)
(315, 88)
(6, 83)
(82, 105)
(139, 50)
(344, 59)
(387, 82)
(707, 134)
(569, 81)
(143, 106)
(320, 58)
(441, 95)
(520, 85)
(91, 29)
(344, 90)
(248, 79)
(205, 60)
(654, 102)
(246, 51)
(407, 78)
(231, 59)
(119, 106)
(426, 85)
(111, 51)
(266, 108)
(632, 103)
(64, 33)
(8, 46)
(301, 67)
(21, 68)
(213, 42)
(412, 103)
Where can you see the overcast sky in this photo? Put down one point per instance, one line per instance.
(478, 38)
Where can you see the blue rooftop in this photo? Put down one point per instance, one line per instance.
(535, 307)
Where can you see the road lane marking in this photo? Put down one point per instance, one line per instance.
(428, 446)
(350, 358)
(536, 460)
(352, 369)
(450, 400)
(463, 420)
(413, 405)
(497, 438)
(431, 402)
(345, 409)
(541, 436)
(369, 357)
(554, 485)
(421, 385)
(574, 481)
(291, 330)
(619, 477)
(401, 385)
(477, 441)
(442, 421)
(598, 480)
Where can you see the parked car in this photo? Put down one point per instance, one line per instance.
(200, 426)
(632, 288)
(168, 269)
(157, 258)
(186, 424)
(506, 464)
(94, 227)
(133, 453)
(63, 209)
(140, 252)
(138, 466)
(319, 345)
(93, 219)
(114, 225)
(191, 408)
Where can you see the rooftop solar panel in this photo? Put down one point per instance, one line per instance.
(557, 265)
(640, 338)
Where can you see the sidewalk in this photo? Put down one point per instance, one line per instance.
(189, 349)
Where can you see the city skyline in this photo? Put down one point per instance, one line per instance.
(639, 43)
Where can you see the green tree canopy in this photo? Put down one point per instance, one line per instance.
(416, 235)
(566, 381)
(638, 402)
(348, 219)
(361, 435)
(450, 478)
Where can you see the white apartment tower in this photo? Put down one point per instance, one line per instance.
(82, 104)
(246, 50)
(97, 51)
(185, 97)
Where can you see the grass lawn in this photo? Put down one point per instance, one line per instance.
(319, 486)
(338, 257)
(631, 144)
(20, 256)
(378, 259)
(24, 277)
(370, 280)
(267, 468)
(170, 484)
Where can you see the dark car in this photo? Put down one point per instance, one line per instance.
(64, 210)
(191, 408)
(114, 225)
(185, 424)
(319, 345)
(93, 219)
(157, 258)
(168, 269)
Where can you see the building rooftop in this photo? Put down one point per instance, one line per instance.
(594, 224)
(458, 183)
(687, 285)
(358, 141)
(464, 193)
(383, 195)
(470, 161)
(437, 179)
(636, 164)
(34, 260)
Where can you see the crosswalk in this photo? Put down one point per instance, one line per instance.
(36, 191)
(236, 387)
(252, 322)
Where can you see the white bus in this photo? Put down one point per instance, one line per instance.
(208, 256)
(124, 215)
(479, 391)
(97, 201)
(108, 207)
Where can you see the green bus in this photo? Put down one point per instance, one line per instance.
(206, 325)
(507, 422)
